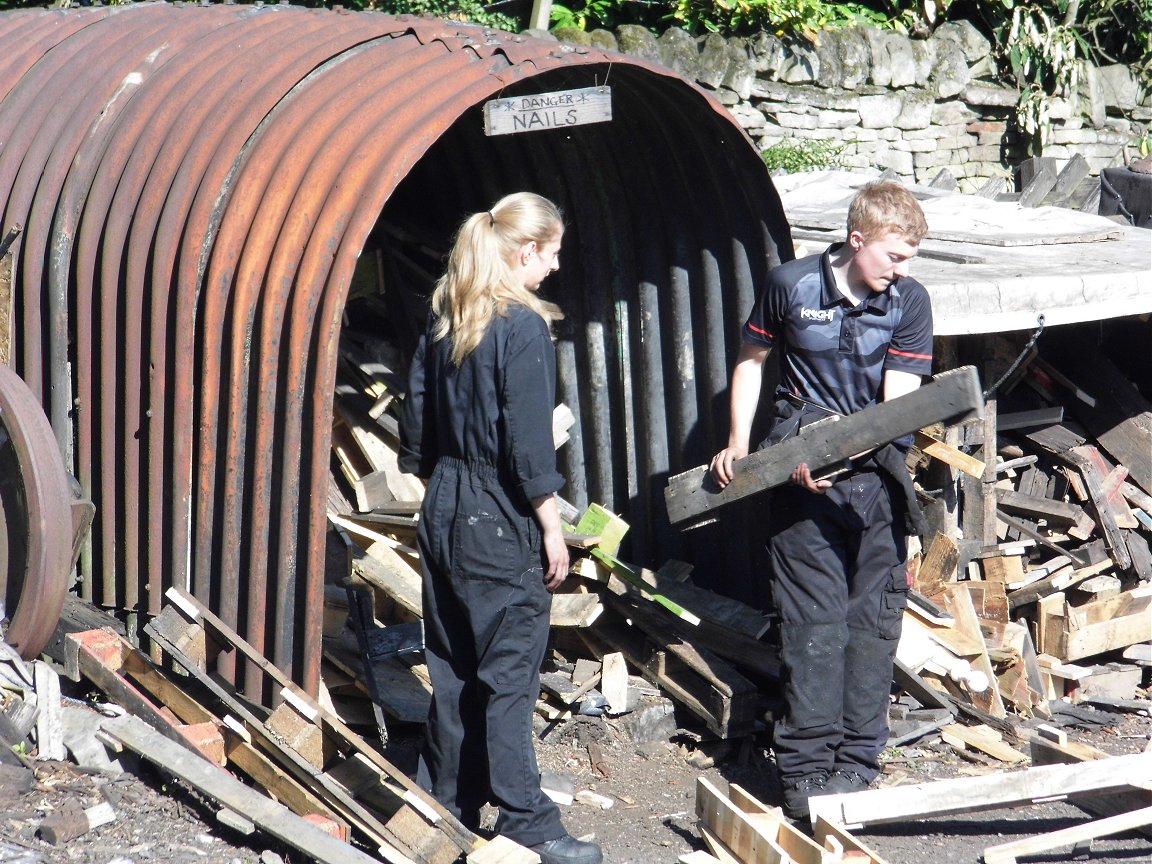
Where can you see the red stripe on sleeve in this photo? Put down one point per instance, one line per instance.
(909, 354)
(761, 332)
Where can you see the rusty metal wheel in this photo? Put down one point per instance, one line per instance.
(35, 520)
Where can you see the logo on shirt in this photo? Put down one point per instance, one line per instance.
(817, 314)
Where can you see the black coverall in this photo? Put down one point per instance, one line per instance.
(482, 436)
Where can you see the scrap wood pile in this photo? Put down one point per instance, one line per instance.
(1030, 613)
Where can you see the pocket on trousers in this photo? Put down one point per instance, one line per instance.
(892, 605)
(485, 545)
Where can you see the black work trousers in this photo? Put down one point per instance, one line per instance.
(840, 587)
(486, 630)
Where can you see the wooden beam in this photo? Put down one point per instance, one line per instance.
(951, 396)
(1007, 853)
(970, 794)
(949, 455)
(272, 818)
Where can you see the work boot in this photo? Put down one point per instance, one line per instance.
(567, 850)
(845, 780)
(796, 794)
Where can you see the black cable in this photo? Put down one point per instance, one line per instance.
(1020, 359)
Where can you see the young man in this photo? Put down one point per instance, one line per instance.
(852, 328)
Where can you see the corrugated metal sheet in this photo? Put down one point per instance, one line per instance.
(196, 184)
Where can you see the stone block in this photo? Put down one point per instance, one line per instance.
(950, 73)
(899, 162)
(1119, 87)
(924, 58)
(573, 36)
(893, 63)
(952, 113)
(747, 116)
(654, 719)
(638, 41)
(801, 65)
(854, 55)
(879, 112)
(767, 52)
(991, 95)
(974, 45)
(837, 119)
(714, 60)
(792, 120)
(605, 40)
(916, 112)
(679, 52)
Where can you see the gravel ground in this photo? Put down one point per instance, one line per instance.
(650, 786)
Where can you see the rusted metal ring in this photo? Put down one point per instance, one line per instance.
(35, 519)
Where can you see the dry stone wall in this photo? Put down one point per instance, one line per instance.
(915, 106)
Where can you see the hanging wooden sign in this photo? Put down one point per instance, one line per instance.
(557, 110)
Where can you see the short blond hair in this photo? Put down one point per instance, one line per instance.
(885, 207)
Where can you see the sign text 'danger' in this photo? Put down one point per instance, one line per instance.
(556, 110)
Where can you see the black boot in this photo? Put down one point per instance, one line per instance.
(567, 850)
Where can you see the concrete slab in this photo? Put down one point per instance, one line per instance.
(994, 266)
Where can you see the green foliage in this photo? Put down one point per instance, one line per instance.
(1043, 57)
(782, 17)
(593, 14)
(803, 154)
(470, 11)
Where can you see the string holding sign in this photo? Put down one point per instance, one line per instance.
(557, 110)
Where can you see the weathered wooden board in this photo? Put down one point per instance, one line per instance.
(969, 794)
(1007, 853)
(222, 787)
(951, 396)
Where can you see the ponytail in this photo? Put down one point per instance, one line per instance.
(478, 283)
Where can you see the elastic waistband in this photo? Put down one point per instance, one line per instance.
(473, 467)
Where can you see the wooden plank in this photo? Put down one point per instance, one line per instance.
(1053, 512)
(949, 455)
(951, 396)
(1121, 418)
(1056, 752)
(105, 658)
(970, 794)
(1007, 853)
(727, 702)
(574, 610)
(983, 739)
(271, 817)
(160, 629)
(958, 601)
(854, 851)
(384, 568)
(1006, 422)
(1110, 635)
(49, 722)
(799, 847)
(409, 791)
(502, 850)
(939, 565)
(749, 840)
(1107, 502)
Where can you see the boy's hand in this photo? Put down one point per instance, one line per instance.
(801, 476)
(721, 467)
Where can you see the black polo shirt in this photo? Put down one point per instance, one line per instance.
(834, 353)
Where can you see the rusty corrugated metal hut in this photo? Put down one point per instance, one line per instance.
(196, 184)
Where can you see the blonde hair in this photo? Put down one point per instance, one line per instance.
(478, 283)
(885, 207)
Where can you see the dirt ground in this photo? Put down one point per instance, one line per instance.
(650, 786)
